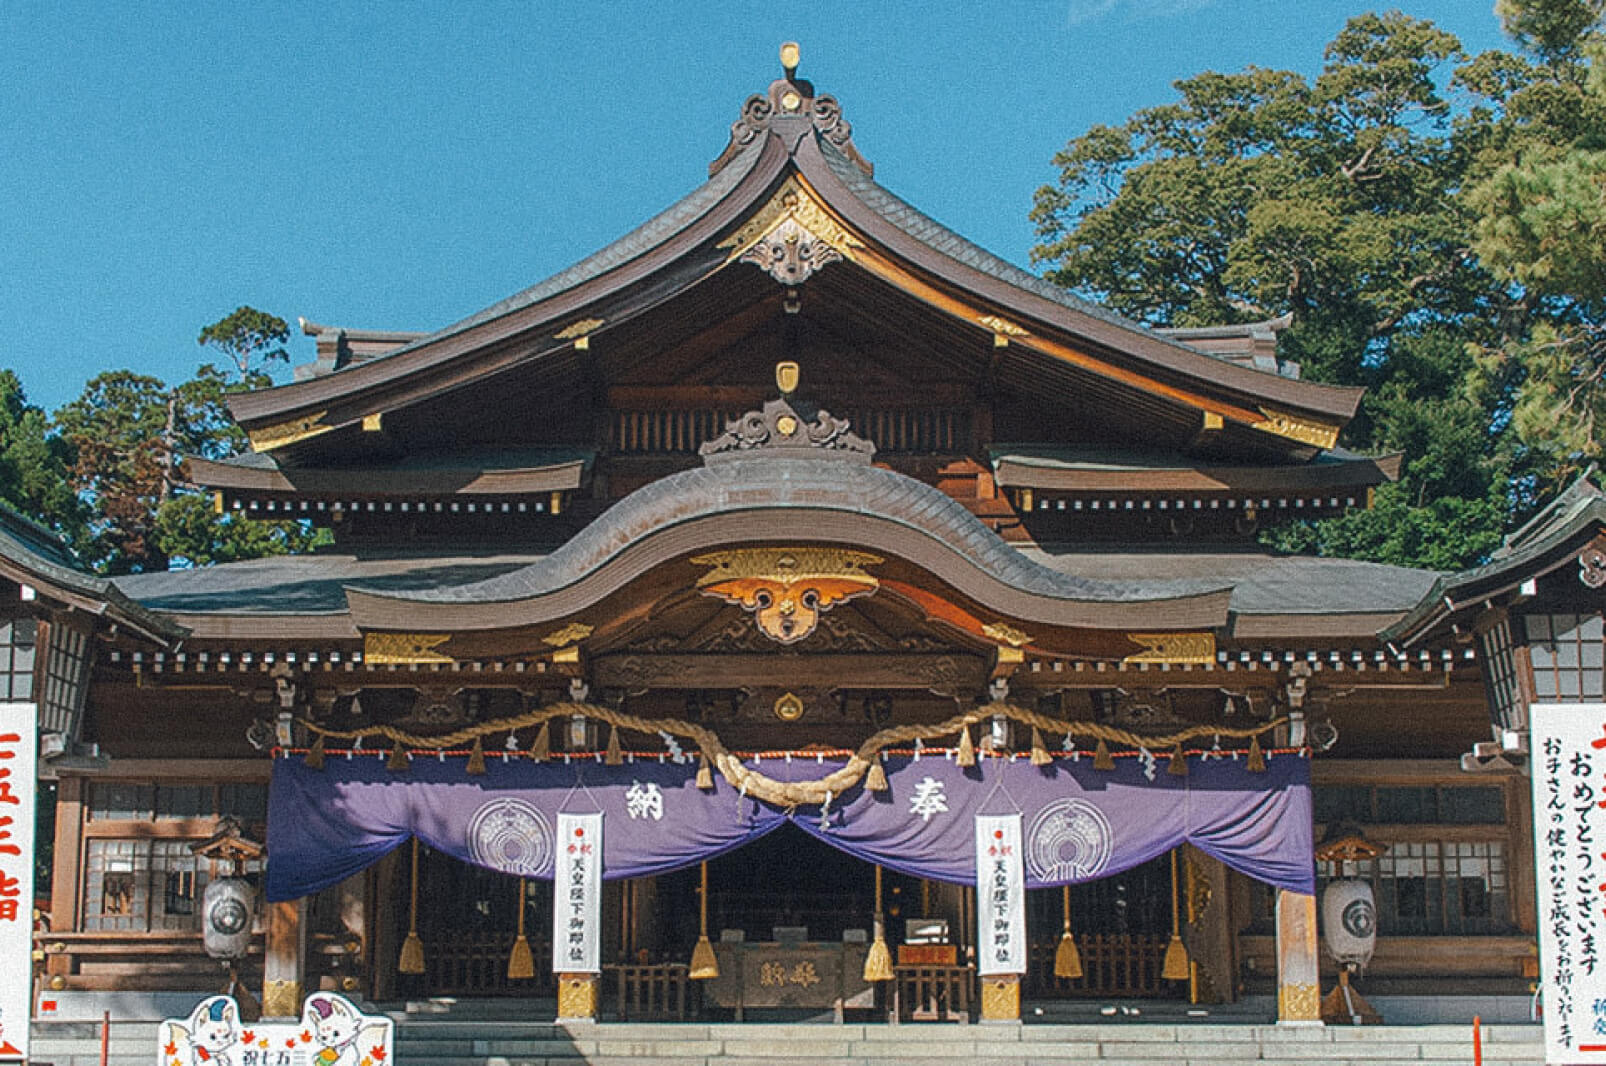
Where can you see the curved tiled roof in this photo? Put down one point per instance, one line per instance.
(771, 483)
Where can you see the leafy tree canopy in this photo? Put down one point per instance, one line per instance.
(1434, 223)
(128, 435)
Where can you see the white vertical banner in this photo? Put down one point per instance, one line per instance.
(577, 895)
(18, 773)
(1000, 895)
(1569, 790)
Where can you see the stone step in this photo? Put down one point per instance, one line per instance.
(443, 1040)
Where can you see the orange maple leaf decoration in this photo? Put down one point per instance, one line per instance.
(249, 1036)
(171, 1048)
(291, 1043)
(306, 1037)
(378, 1053)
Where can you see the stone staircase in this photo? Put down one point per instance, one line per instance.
(445, 1040)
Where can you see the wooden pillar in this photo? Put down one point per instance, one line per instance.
(66, 883)
(577, 997)
(1298, 984)
(284, 963)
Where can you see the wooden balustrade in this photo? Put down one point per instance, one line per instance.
(932, 993)
(138, 961)
(652, 993)
(1113, 964)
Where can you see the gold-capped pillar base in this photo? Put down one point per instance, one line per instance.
(1000, 998)
(281, 999)
(1299, 999)
(577, 997)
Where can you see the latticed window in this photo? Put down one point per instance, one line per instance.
(137, 882)
(1567, 656)
(18, 653)
(1435, 887)
(1500, 676)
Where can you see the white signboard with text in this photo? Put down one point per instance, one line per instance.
(1000, 895)
(577, 895)
(18, 774)
(332, 1031)
(1569, 799)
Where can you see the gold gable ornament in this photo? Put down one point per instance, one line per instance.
(404, 649)
(1177, 649)
(787, 589)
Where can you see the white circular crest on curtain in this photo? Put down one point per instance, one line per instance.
(1069, 840)
(512, 836)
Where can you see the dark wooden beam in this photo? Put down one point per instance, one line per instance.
(790, 669)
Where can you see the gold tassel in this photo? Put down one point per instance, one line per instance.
(1175, 967)
(614, 756)
(1067, 959)
(1179, 762)
(1256, 763)
(521, 963)
(412, 952)
(704, 965)
(315, 754)
(876, 779)
(705, 773)
(476, 759)
(541, 750)
(1101, 758)
(967, 751)
(1040, 755)
(878, 963)
(399, 759)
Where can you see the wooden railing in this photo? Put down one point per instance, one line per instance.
(1113, 964)
(653, 993)
(477, 965)
(932, 993)
(123, 961)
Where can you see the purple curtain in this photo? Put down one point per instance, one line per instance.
(1079, 823)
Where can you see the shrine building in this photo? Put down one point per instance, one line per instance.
(896, 618)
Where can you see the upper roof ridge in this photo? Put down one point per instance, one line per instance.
(791, 106)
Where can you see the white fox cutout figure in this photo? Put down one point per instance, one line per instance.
(339, 1030)
(210, 1037)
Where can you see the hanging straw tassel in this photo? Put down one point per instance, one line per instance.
(614, 756)
(521, 963)
(1101, 758)
(1179, 762)
(1256, 763)
(399, 759)
(1040, 755)
(476, 759)
(875, 780)
(705, 773)
(541, 749)
(1067, 960)
(704, 966)
(412, 952)
(314, 758)
(967, 751)
(878, 963)
(1175, 967)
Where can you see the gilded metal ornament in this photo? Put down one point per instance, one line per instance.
(1196, 649)
(573, 633)
(1293, 427)
(284, 433)
(798, 236)
(281, 999)
(787, 589)
(1000, 998)
(789, 707)
(1004, 633)
(404, 649)
(1299, 1003)
(577, 996)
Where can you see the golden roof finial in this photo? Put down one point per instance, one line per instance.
(789, 58)
(786, 377)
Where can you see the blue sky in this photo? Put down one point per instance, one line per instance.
(401, 165)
